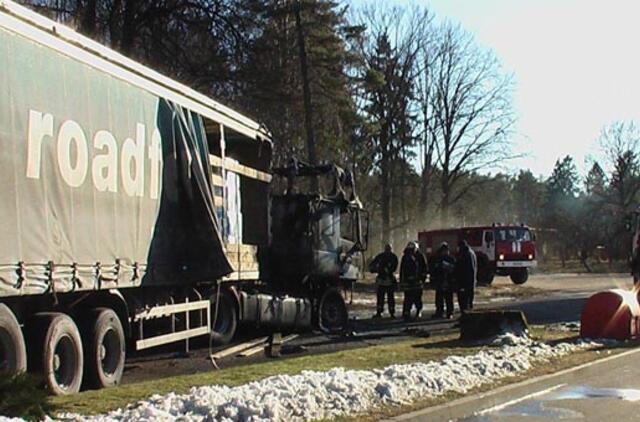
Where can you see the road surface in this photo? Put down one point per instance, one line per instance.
(609, 394)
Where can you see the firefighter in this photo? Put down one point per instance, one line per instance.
(413, 273)
(442, 278)
(466, 275)
(385, 264)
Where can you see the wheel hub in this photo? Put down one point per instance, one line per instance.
(109, 352)
(63, 362)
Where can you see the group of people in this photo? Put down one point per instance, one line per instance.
(448, 274)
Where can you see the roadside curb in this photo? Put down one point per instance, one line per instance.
(467, 406)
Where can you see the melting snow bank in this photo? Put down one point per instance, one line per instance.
(324, 395)
(565, 326)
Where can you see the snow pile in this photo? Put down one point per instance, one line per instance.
(315, 395)
(510, 339)
(565, 326)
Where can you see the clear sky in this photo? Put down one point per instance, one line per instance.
(576, 65)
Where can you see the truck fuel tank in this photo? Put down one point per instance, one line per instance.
(272, 311)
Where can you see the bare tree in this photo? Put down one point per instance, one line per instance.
(620, 143)
(471, 110)
(390, 49)
(427, 138)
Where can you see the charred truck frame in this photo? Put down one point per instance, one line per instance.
(137, 212)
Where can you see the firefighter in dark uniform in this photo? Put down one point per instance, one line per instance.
(466, 275)
(442, 279)
(413, 273)
(385, 264)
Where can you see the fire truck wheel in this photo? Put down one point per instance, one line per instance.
(13, 352)
(60, 361)
(519, 276)
(333, 315)
(104, 343)
(224, 318)
(485, 278)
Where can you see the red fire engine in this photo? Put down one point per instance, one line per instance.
(501, 249)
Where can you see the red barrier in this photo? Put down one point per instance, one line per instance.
(613, 314)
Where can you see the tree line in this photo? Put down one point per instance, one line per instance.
(410, 103)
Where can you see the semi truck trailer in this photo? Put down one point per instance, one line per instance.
(137, 212)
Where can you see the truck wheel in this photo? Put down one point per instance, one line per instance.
(13, 352)
(485, 278)
(333, 315)
(225, 324)
(519, 276)
(60, 360)
(104, 343)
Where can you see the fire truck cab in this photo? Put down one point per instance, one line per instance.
(507, 250)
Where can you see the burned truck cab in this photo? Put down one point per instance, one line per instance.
(317, 239)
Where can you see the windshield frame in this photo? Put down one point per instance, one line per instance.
(513, 234)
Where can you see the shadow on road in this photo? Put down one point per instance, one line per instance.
(549, 310)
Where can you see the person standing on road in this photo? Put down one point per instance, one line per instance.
(385, 264)
(466, 275)
(442, 280)
(413, 273)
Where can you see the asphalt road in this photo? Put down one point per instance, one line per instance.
(544, 299)
(560, 297)
(609, 394)
(576, 284)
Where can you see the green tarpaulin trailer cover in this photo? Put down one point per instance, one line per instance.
(105, 184)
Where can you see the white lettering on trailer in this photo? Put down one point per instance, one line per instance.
(40, 125)
(73, 175)
(133, 156)
(104, 160)
(155, 156)
(104, 170)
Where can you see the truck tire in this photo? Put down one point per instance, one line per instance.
(333, 315)
(486, 272)
(519, 276)
(60, 360)
(225, 324)
(13, 352)
(485, 278)
(104, 343)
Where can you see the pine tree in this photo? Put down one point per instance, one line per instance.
(561, 211)
(563, 182)
(273, 82)
(595, 182)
